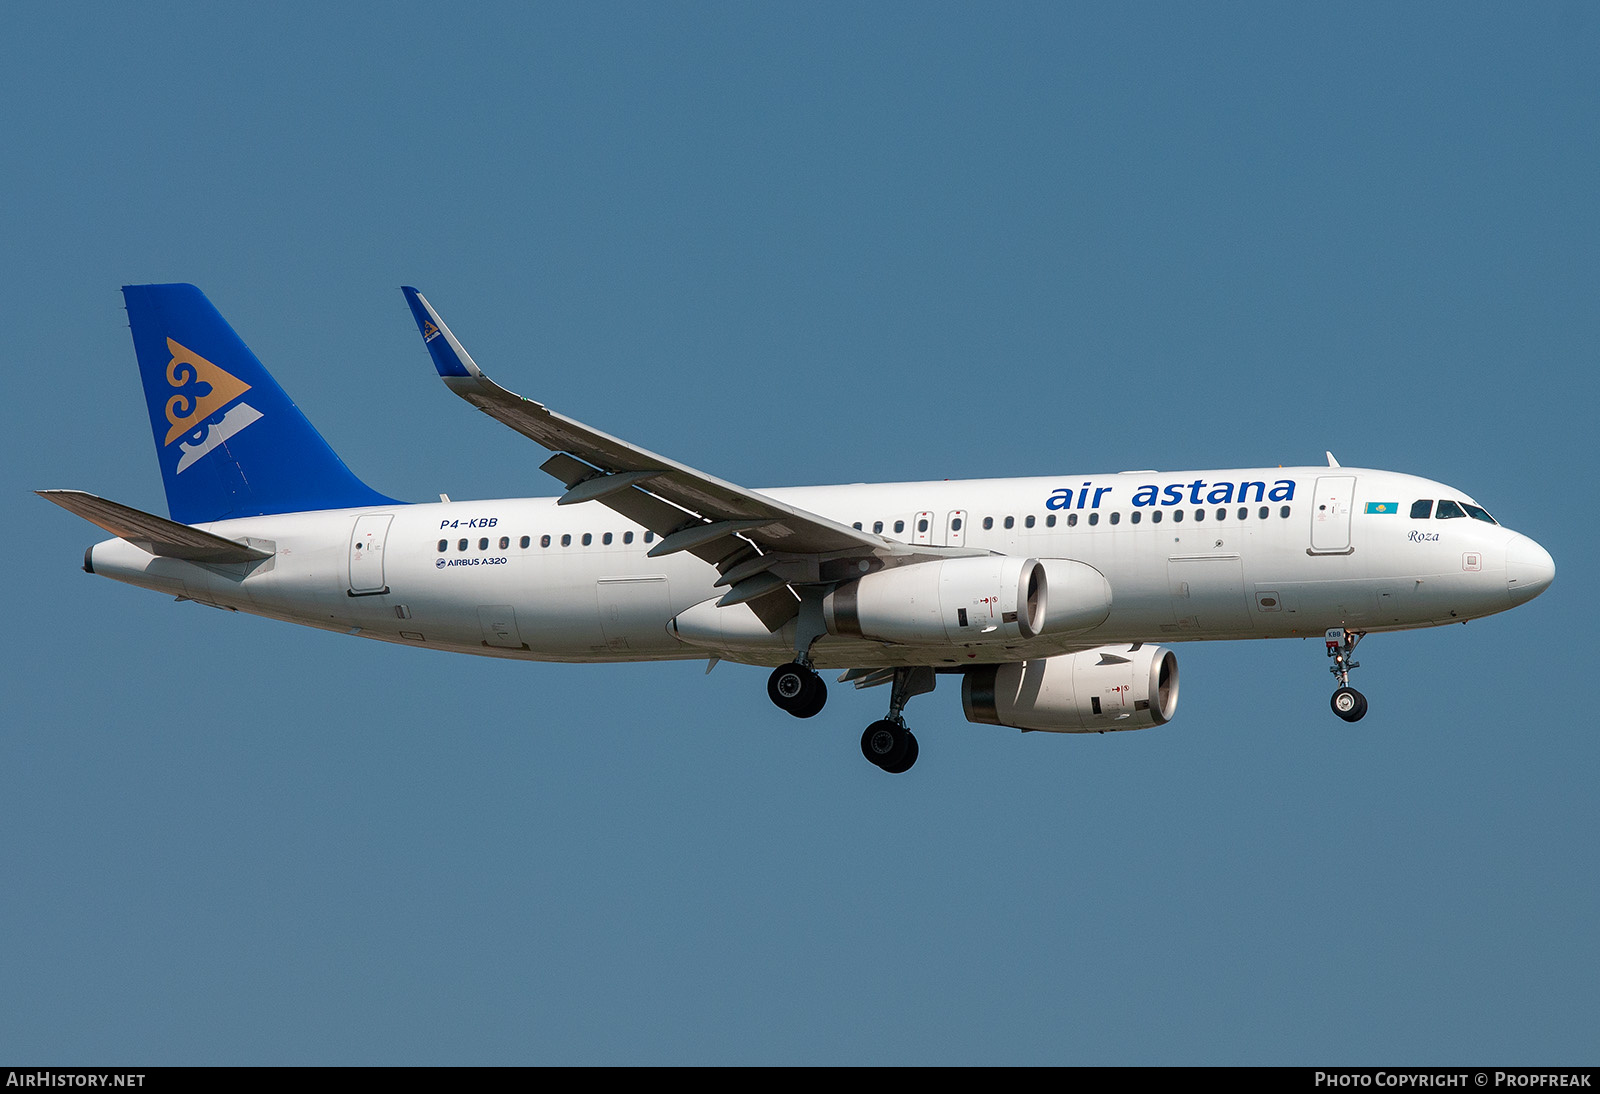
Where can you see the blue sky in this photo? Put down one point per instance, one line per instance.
(790, 245)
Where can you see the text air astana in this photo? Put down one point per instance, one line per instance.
(1198, 492)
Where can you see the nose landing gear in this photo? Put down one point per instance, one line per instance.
(1347, 702)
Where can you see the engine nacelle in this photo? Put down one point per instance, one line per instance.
(991, 598)
(960, 601)
(1078, 597)
(1113, 687)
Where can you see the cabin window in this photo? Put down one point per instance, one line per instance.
(566, 540)
(1199, 514)
(1244, 514)
(988, 523)
(1050, 521)
(922, 525)
(483, 544)
(1155, 516)
(877, 527)
(1265, 512)
(649, 537)
(462, 545)
(1133, 518)
(1116, 518)
(544, 541)
(1011, 522)
(525, 542)
(444, 545)
(1177, 514)
(955, 524)
(505, 541)
(1284, 512)
(606, 539)
(1072, 520)
(856, 526)
(1027, 521)
(1094, 518)
(1222, 514)
(899, 527)
(588, 538)
(627, 537)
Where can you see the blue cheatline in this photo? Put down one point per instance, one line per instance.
(230, 442)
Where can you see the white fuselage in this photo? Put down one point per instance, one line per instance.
(1255, 553)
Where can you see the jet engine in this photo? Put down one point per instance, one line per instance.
(969, 600)
(1113, 687)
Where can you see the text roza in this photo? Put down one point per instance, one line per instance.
(1198, 492)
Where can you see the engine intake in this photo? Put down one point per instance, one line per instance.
(1110, 688)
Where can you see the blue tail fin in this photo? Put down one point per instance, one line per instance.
(230, 442)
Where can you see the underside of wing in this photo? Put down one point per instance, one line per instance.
(761, 546)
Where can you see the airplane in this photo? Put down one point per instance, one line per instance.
(1047, 599)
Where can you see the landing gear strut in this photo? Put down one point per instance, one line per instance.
(1347, 702)
(887, 742)
(796, 687)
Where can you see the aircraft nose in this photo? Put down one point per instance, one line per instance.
(1529, 569)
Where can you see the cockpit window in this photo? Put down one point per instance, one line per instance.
(1422, 510)
(1477, 513)
(1448, 509)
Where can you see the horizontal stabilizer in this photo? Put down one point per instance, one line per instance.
(148, 532)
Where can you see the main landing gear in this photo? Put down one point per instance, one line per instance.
(1347, 702)
(798, 689)
(890, 745)
(887, 742)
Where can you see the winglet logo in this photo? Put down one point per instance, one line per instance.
(204, 389)
(430, 332)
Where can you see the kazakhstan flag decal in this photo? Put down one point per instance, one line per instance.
(1383, 507)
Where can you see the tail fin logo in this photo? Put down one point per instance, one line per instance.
(203, 389)
(429, 331)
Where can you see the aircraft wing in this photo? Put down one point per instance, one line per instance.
(759, 544)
